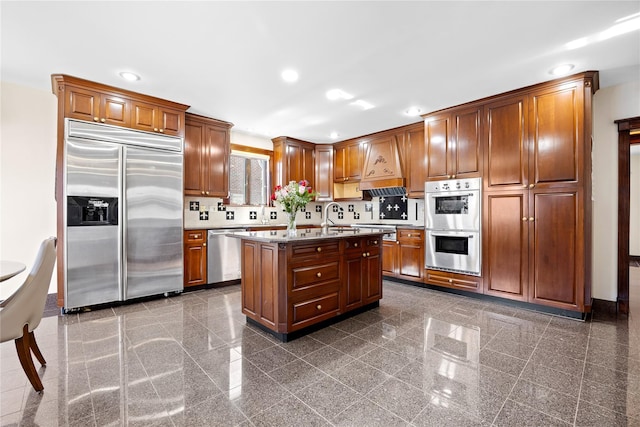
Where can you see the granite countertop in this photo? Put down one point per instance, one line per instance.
(303, 234)
(310, 226)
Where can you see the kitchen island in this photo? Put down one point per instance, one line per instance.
(292, 285)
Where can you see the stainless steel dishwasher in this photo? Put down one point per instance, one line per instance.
(223, 256)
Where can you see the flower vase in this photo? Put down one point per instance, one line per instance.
(291, 224)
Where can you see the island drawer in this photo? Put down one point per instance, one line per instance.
(305, 275)
(315, 249)
(315, 309)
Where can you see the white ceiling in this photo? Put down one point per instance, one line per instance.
(224, 59)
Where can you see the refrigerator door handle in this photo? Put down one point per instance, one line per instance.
(122, 235)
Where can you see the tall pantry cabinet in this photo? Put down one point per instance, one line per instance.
(537, 194)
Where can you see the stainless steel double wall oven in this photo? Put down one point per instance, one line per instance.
(452, 223)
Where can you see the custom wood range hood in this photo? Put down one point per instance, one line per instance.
(382, 174)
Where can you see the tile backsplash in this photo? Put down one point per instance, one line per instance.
(210, 212)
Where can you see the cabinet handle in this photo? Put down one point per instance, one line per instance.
(531, 185)
(161, 130)
(355, 245)
(103, 120)
(204, 245)
(524, 218)
(318, 249)
(530, 218)
(318, 274)
(319, 307)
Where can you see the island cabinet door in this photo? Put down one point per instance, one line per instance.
(260, 282)
(352, 287)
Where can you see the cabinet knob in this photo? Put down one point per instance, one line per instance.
(204, 244)
(531, 185)
(453, 176)
(364, 254)
(409, 235)
(155, 129)
(525, 186)
(161, 131)
(318, 274)
(103, 120)
(448, 176)
(346, 179)
(319, 307)
(375, 242)
(206, 192)
(368, 254)
(202, 192)
(318, 249)
(95, 119)
(450, 280)
(524, 218)
(530, 218)
(397, 243)
(355, 245)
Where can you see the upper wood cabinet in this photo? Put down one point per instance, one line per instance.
(537, 138)
(347, 161)
(324, 172)
(294, 160)
(206, 157)
(416, 161)
(453, 143)
(85, 100)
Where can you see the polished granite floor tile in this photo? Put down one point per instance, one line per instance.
(422, 358)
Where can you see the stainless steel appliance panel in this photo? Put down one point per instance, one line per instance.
(153, 222)
(457, 251)
(223, 256)
(92, 266)
(92, 168)
(453, 204)
(120, 135)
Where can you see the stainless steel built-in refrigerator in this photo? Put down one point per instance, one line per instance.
(123, 214)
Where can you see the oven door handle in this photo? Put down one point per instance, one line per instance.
(470, 236)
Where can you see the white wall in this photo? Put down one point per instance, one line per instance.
(27, 165)
(609, 104)
(634, 214)
(27, 176)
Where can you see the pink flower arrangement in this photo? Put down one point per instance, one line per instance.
(294, 195)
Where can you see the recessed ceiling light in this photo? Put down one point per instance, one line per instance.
(413, 111)
(334, 94)
(561, 70)
(363, 104)
(290, 75)
(132, 77)
(334, 135)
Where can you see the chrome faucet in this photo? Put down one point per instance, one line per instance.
(325, 223)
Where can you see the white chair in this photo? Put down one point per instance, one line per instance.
(20, 314)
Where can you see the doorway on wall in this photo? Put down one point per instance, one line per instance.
(628, 135)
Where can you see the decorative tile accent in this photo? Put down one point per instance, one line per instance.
(273, 215)
(230, 215)
(340, 215)
(356, 215)
(335, 208)
(221, 207)
(253, 215)
(393, 207)
(194, 206)
(318, 208)
(204, 216)
(303, 209)
(350, 208)
(307, 215)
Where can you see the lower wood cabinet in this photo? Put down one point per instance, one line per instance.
(404, 257)
(290, 286)
(454, 280)
(195, 257)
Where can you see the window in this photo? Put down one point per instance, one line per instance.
(248, 178)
